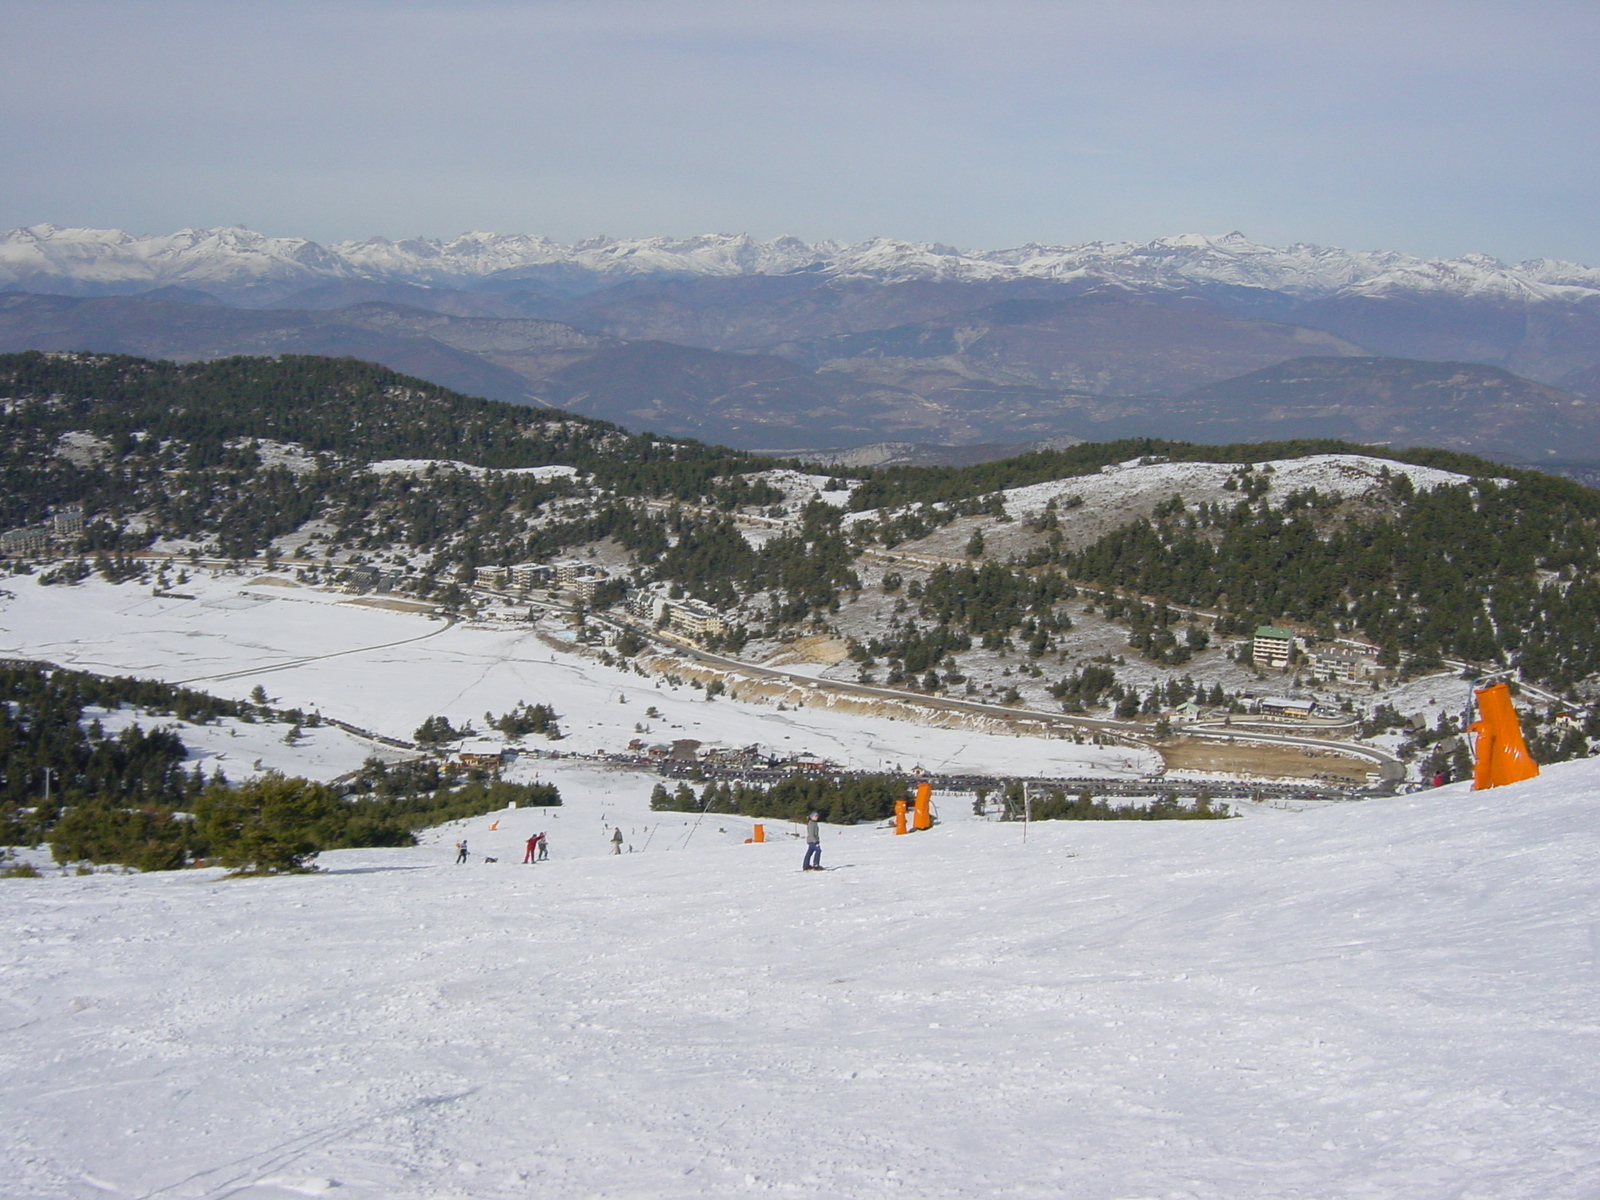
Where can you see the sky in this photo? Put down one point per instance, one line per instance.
(1433, 128)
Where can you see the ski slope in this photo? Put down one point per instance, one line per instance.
(1392, 999)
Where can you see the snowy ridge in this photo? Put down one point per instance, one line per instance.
(1341, 475)
(1136, 483)
(421, 466)
(237, 259)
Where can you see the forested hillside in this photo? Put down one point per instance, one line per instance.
(240, 457)
(129, 798)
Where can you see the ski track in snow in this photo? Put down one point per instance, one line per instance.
(1390, 999)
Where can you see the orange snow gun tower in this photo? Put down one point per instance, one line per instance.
(921, 818)
(1502, 754)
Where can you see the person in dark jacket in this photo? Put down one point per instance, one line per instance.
(813, 859)
(461, 852)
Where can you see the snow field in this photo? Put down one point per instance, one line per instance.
(387, 671)
(1390, 999)
(241, 749)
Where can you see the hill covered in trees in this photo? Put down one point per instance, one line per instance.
(267, 457)
(129, 797)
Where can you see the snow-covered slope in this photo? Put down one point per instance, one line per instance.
(1119, 491)
(235, 260)
(1137, 485)
(1393, 999)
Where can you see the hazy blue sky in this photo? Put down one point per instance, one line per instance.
(1438, 128)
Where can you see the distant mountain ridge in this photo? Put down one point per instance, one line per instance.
(1100, 366)
(240, 264)
(789, 345)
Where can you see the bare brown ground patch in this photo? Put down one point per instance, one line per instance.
(798, 695)
(405, 606)
(1277, 762)
(818, 649)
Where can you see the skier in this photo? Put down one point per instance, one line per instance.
(532, 850)
(813, 858)
(461, 852)
(544, 847)
(616, 840)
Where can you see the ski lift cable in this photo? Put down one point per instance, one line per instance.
(704, 805)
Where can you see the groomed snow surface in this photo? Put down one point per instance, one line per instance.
(1388, 999)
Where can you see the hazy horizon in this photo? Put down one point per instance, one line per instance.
(1438, 129)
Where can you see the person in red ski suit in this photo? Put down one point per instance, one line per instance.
(533, 849)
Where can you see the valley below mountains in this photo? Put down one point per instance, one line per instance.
(793, 348)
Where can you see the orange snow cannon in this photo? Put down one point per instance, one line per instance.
(899, 817)
(1502, 754)
(921, 818)
(758, 833)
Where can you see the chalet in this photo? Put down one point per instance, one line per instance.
(481, 752)
(745, 756)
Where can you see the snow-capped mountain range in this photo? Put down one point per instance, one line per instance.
(238, 263)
